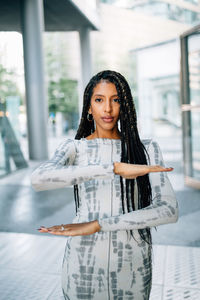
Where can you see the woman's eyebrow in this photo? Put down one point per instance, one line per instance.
(104, 95)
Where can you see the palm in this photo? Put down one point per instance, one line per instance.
(131, 171)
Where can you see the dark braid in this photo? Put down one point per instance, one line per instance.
(132, 149)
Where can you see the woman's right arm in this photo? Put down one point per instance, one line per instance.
(164, 206)
(59, 171)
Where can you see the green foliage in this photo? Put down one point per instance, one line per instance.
(7, 83)
(62, 95)
(62, 90)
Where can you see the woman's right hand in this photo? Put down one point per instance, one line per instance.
(132, 171)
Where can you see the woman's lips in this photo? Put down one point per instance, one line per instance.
(107, 120)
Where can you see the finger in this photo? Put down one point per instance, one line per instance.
(53, 230)
(46, 229)
(167, 169)
(42, 230)
(55, 227)
(160, 169)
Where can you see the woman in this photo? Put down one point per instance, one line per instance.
(121, 190)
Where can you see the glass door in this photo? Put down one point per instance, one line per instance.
(190, 97)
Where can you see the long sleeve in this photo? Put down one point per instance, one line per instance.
(164, 206)
(59, 171)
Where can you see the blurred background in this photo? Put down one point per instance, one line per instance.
(49, 50)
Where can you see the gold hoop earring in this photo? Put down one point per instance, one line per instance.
(88, 117)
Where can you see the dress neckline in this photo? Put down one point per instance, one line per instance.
(101, 140)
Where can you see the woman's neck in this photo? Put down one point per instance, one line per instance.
(113, 135)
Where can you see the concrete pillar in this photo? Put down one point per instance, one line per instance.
(86, 62)
(186, 115)
(32, 19)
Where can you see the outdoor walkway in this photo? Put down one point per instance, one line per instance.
(31, 269)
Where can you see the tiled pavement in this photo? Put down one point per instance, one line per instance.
(31, 269)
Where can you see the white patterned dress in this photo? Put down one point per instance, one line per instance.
(107, 265)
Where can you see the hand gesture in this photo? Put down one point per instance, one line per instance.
(72, 229)
(132, 171)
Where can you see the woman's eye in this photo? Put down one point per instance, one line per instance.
(115, 100)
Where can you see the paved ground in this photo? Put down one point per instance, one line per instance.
(25, 255)
(31, 269)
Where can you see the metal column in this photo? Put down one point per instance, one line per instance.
(32, 18)
(86, 64)
(186, 115)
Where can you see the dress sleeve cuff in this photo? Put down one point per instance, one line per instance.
(108, 224)
(100, 221)
(110, 170)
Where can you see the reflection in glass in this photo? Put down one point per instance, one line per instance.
(11, 156)
(195, 123)
(194, 68)
(191, 111)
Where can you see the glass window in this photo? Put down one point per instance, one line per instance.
(194, 68)
(195, 124)
(191, 105)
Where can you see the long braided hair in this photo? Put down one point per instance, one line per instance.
(132, 149)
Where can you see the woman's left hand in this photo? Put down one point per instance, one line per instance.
(73, 229)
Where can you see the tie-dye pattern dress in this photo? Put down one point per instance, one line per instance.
(110, 264)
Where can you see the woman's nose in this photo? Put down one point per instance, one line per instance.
(108, 106)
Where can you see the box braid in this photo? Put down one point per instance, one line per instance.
(132, 149)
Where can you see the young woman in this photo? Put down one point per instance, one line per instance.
(121, 191)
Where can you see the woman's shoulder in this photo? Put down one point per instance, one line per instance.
(65, 141)
(70, 143)
(69, 140)
(66, 144)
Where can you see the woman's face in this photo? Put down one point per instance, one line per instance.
(105, 106)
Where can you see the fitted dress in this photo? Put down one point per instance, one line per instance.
(109, 264)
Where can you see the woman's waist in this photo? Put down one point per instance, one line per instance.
(92, 210)
(87, 216)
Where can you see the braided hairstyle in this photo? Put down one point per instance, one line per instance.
(132, 149)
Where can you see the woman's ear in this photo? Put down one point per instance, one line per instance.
(90, 111)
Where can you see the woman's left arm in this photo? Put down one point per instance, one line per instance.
(162, 210)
